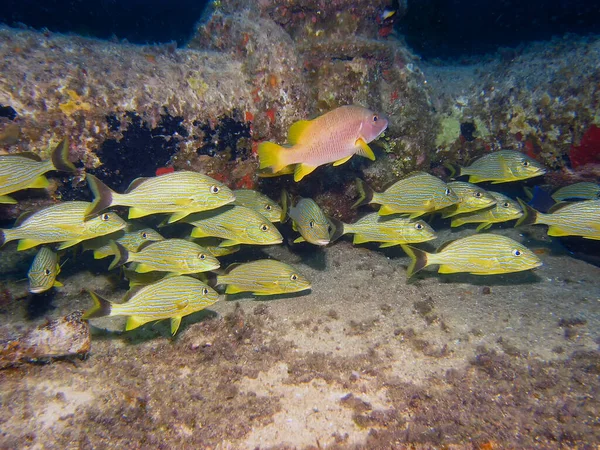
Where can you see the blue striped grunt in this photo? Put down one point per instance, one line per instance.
(236, 225)
(259, 203)
(333, 137)
(579, 191)
(567, 219)
(503, 166)
(416, 194)
(26, 170)
(64, 223)
(169, 298)
(391, 230)
(43, 271)
(170, 255)
(309, 220)
(263, 277)
(131, 240)
(177, 193)
(504, 210)
(213, 246)
(478, 254)
(470, 198)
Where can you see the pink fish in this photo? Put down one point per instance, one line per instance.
(333, 137)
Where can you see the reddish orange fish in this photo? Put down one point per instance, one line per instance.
(333, 137)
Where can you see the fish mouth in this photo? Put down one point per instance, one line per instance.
(38, 290)
(322, 242)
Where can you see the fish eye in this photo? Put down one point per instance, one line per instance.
(105, 216)
(419, 226)
(205, 291)
(294, 277)
(264, 227)
(268, 208)
(201, 256)
(144, 235)
(478, 194)
(447, 191)
(375, 118)
(47, 272)
(311, 224)
(214, 189)
(516, 252)
(506, 204)
(525, 163)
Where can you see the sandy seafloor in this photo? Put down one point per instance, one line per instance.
(365, 360)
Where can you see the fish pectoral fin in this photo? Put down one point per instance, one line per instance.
(40, 182)
(230, 289)
(297, 130)
(389, 244)
(339, 162)
(143, 268)
(364, 149)
(447, 269)
(178, 216)
(301, 171)
(386, 210)
(68, 244)
(175, 322)
(58, 284)
(299, 239)
(134, 213)
(6, 200)
(134, 322)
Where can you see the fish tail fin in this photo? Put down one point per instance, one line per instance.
(365, 193)
(103, 195)
(121, 255)
(529, 217)
(60, 157)
(101, 308)
(453, 169)
(269, 155)
(418, 259)
(338, 231)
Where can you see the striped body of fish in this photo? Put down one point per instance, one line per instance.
(63, 222)
(259, 203)
(263, 277)
(26, 170)
(391, 230)
(578, 191)
(43, 271)
(504, 210)
(310, 221)
(569, 219)
(170, 255)
(236, 225)
(478, 254)
(470, 198)
(169, 298)
(131, 240)
(333, 137)
(176, 193)
(503, 166)
(416, 194)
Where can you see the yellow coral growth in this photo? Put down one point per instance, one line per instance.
(74, 104)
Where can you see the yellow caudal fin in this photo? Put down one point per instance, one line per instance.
(364, 149)
(269, 155)
(301, 171)
(418, 259)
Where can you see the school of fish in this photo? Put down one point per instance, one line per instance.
(172, 277)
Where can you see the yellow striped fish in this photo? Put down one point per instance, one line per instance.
(503, 166)
(63, 222)
(504, 210)
(26, 170)
(578, 191)
(478, 254)
(236, 225)
(131, 240)
(391, 230)
(470, 198)
(170, 298)
(333, 137)
(310, 221)
(416, 194)
(259, 203)
(213, 246)
(179, 193)
(43, 271)
(263, 277)
(171, 255)
(568, 219)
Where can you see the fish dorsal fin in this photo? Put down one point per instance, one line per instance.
(230, 267)
(297, 130)
(444, 245)
(22, 218)
(558, 207)
(135, 183)
(29, 155)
